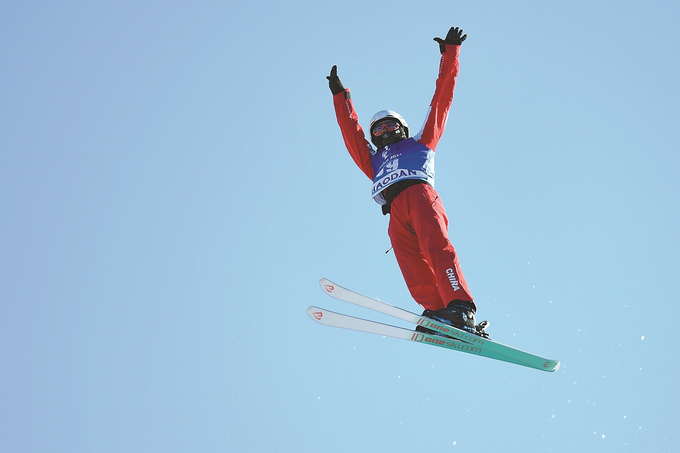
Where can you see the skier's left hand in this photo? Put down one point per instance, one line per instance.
(455, 36)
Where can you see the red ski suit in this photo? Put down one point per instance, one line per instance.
(418, 226)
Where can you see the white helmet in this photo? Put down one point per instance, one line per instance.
(389, 134)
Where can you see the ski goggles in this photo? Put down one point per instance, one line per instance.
(384, 127)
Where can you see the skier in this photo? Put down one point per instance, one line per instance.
(402, 170)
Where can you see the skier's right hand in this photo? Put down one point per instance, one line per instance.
(334, 82)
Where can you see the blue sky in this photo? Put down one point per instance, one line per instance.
(173, 184)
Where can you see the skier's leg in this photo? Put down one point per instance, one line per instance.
(419, 276)
(430, 224)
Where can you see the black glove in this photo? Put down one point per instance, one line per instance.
(455, 37)
(334, 81)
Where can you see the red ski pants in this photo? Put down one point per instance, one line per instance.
(418, 230)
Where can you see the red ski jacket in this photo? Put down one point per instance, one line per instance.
(362, 150)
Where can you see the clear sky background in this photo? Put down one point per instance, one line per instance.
(173, 185)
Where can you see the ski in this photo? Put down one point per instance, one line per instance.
(456, 339)
(329, 318)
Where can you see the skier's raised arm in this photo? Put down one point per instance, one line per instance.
(352, 132)
(438, 112)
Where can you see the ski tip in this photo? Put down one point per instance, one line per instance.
(327, 285)
(551, 365)
(315, 313)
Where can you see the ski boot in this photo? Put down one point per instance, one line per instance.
(459, 314)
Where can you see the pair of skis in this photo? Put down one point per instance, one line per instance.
(456, 339)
